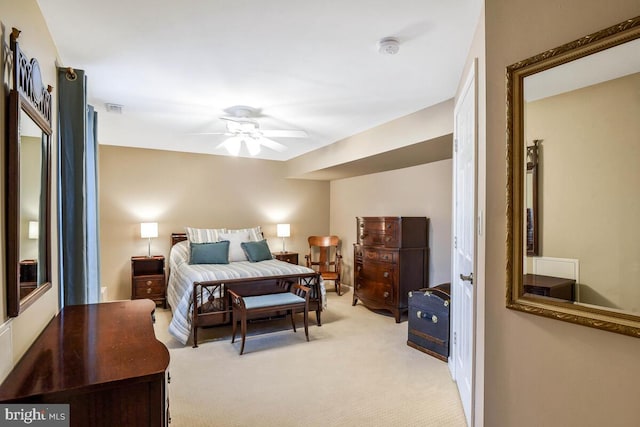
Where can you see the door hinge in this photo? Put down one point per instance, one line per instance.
(455, 242)
(455, 145)
(455, 338)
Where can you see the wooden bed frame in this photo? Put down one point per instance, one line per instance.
(213, 311)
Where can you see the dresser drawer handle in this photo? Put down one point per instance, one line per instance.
(386, 294)
(148, 290)
(149, 282)
(386, 274)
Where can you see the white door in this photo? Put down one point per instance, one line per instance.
(464, 226)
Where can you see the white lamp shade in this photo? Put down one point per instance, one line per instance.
(34, 230)
(148, 229)
(283, 230)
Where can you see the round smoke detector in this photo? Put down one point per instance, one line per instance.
(388, 46)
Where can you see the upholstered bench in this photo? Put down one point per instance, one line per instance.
(295, 301)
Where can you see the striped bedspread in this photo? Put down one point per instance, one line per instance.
(182, 276)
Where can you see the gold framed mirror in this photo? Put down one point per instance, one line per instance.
(580, 103)
(28, 183)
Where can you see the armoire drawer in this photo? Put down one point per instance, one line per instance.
(378, 232)
(372, 290)
(375, 281)
(372, 254)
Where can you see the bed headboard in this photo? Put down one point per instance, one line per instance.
(178, 237)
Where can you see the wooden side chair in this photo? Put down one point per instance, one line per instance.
(324, 257)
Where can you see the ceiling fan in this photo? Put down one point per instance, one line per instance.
(242, 127)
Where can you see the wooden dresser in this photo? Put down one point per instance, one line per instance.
(101, 359)
(390, 259)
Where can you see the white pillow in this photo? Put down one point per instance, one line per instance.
(204, 235)
(255, 233)
(235, 249)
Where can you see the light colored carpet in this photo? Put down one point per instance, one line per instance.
(357, 370)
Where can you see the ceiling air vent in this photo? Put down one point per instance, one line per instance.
(113, 108)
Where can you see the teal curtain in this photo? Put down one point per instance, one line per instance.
(78, 222)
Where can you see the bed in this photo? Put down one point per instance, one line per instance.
(198, 293)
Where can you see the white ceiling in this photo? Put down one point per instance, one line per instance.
(309, 65)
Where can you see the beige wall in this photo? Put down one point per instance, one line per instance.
(588, 186)
(540, 371)
(417, 191)
(17, 334)
(183, 189)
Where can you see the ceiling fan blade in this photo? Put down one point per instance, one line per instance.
(284, 133)
(211, 133)
(233, 119)
(240, 120)
(276, 146)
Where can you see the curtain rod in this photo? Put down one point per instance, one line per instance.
(71, 74)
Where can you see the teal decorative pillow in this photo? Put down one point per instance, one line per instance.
(257, 251)
(209, 253)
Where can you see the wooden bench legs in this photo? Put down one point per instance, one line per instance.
(292, 302)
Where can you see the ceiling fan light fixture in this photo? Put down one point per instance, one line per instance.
(233, 146)
(248, 127)
(243, 127)
(253, 145)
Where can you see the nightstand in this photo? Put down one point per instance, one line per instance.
(290, 257)
(148, 279)
(548, 286)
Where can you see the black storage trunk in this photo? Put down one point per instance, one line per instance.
(429, 320)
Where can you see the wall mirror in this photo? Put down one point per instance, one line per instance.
(28, 183)
(573, 237)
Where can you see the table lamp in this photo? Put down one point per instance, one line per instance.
(149, 230)
(283, 230)
(34, 230)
